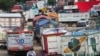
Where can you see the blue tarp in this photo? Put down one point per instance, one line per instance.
(43, 22)
(98, 27)
(82, 32)
(78, 33)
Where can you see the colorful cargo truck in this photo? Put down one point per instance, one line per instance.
(19, 42)
(9, 21)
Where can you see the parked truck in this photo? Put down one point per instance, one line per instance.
(9, 21)
(73, 18)
(19, 41)
(2, 38)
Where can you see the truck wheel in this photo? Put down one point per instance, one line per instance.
(9, 53)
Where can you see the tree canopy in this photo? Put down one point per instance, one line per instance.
(23, 1)
(51, 2)
(6, 4)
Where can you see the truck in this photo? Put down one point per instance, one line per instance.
(2, 38)
(19, 41)
(72, 17)
(9, 21)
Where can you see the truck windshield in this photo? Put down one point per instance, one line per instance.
(81, 24)
(69, 11)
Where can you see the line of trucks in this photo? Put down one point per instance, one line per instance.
(13, 35)
(16, 38)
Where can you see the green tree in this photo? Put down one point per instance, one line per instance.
(22, 1)
(51, 2)
(6, 4)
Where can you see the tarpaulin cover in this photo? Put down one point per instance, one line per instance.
(53, 14)
(53, 30)
(40, 23)
(86, 6)
(43, 22)
(82, 32)
(77, 33)
(40, 16)
(98, 27)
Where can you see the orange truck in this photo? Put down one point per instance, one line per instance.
(19, 42)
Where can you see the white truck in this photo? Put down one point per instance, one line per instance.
(19, 42)
(9, 21)
(2, 38)
(71, 15)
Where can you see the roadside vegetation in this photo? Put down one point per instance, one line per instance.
(6, 4)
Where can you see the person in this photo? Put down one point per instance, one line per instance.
(31, 52)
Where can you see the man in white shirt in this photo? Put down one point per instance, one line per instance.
(31, 52)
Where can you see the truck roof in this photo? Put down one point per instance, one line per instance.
(19, 32)
(5, 15)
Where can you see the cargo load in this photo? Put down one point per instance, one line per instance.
(78, 42)
(11, 20)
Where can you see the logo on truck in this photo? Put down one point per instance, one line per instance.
(75, 46)
(20, 41)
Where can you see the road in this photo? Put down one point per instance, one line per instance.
(3, 52)
(37, 47)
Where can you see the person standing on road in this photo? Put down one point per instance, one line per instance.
(31, 52)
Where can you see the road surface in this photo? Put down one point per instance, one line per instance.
(37, 48)
(3, 52)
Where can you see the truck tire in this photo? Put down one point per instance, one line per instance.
(3, 46)
(9, 53)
